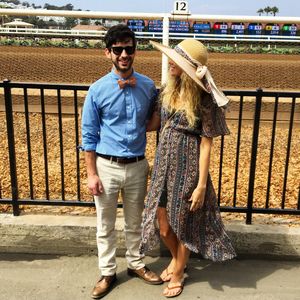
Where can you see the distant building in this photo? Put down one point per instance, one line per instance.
(89, 27)
(18, 23)
(52, 18)
(109, 23)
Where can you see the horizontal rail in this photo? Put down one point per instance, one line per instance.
(232, 209)
(271, 211)
(67, 203)
(146, 35)
(85, 87)
(48, 86)
(131, 15)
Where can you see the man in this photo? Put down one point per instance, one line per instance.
(114, 137)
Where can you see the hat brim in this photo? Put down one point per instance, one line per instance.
(179, 60)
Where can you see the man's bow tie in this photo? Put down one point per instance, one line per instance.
(131, 81)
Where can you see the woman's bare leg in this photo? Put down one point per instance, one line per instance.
(176, 283)
(170, 240)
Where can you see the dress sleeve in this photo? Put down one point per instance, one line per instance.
(212, 118)
(159, 100)
(153, 102)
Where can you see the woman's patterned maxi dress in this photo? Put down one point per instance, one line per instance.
(176, 170)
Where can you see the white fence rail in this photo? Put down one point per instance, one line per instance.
(146, 16)
(36, 32)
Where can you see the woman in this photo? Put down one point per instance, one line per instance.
(181, 195)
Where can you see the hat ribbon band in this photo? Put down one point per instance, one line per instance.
(202, 71)
(186, 56)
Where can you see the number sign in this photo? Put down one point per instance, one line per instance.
(181, 8)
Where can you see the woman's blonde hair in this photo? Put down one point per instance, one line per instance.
(182, 94)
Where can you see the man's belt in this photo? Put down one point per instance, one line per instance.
(122, 160)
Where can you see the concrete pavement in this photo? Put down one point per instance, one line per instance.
(45, 272)
(76, 235)
(54, 277)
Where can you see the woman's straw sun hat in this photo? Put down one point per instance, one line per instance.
(191, 56)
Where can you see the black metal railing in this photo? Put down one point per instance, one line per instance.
(15, 200)
(255, 119)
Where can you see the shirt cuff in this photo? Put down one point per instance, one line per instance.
(88, 147)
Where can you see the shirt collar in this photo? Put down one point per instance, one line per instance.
(116, 76)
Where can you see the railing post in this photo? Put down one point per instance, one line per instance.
(164, 70)
(253, 155)
(11, 147)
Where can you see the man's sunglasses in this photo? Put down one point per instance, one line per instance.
(118, 50)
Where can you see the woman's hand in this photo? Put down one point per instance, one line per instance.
(197, 198)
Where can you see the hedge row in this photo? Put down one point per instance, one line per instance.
(50, 43)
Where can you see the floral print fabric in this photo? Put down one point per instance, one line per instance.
(176, 169)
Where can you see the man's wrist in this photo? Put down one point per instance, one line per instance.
(92, 174)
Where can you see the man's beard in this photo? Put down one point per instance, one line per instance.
(122, 69)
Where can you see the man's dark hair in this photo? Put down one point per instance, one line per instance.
(119, 33)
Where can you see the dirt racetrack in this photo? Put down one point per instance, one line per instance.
(83, 66)
(230, 71)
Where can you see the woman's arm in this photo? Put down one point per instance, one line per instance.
(154, 123)
(198, 195)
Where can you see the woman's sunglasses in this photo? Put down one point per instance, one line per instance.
(117, 50)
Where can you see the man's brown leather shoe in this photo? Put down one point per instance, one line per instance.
(145, 274)
(103, 286)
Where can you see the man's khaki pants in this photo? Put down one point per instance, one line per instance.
(131, 181)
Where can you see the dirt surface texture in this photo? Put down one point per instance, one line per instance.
(230, 71)
(84, 66)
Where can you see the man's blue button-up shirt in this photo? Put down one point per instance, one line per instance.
(114, 119)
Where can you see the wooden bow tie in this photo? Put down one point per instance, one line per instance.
(123, 83)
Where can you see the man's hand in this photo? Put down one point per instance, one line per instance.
(95, 185)
(197, 198)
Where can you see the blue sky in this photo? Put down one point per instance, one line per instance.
(287, 8)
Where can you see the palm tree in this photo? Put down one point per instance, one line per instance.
(267, 10)
(260, 12)
(274, 10)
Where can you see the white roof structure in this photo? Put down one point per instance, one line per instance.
(17, 23)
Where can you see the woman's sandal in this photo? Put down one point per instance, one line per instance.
(166, 275)
(179, 287)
